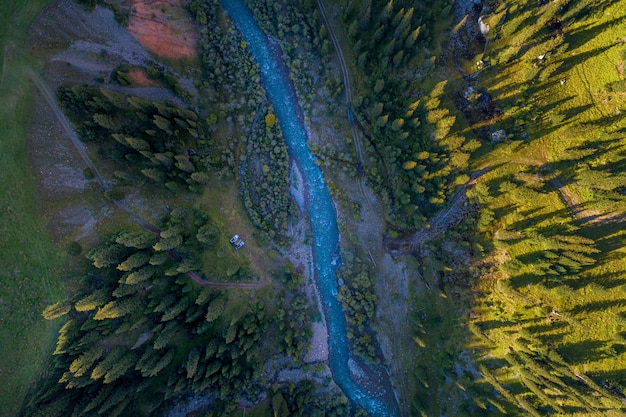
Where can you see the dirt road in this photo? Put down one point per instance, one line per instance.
(444, 220)
(345, 74)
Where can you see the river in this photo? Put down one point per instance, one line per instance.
(319, 206)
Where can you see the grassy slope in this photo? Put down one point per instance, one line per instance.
(532, 307)
(29, 263)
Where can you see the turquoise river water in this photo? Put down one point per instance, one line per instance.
(280, 92)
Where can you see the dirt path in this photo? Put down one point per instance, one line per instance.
(80, 148)
(438, 224)
(67, 127)
(345, 74)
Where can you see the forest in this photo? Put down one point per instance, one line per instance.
(473, 149)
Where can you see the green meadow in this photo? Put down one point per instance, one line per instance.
(30, 265)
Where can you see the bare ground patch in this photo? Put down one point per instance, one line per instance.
(164, 28)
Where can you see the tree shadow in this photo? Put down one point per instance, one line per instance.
(533, 221)
(495, 324)
(579, 59)
(597, 306)
(580, 36)
(541, 329)
(617, 377)
(581, 352)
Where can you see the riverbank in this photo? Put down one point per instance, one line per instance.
(320, 208)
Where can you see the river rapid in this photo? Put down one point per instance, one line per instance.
(319, 206)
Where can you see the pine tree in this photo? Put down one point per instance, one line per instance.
(165, 335)
(191, 365)
(385, 14)
(412, 37)
(168, 244)
(231, 333)
(159, 258)
(174, 311)
(140, 240)
(113, 357)
(162, 123)
(404, 24)
(189, 264)
(84, 362)
(379, 33)
(365, 14)
(166, 159)
(57, 309)
(117, 308)
(172, 231)
(137, 144)
(134, 261)
(106, 256)
(155, 174)
(390, 47)
(92, 301)
(184, 164)
(353, 29)
(215, 309)
(141, 275)
(67, 336)
(208, 235)
(397, 18)
(106, 121)
(397, 58)
(160, 364)
(120, 367)
(117, 396)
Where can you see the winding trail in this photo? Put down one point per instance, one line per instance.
(67, 127)
(445, 219)
(345, 74)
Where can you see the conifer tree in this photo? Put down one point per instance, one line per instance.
(109, 361)
(365, 14)
(191, 365)
(412, 37)
(175, 310)
(137, 144)
(184, 164)
(169, 243)
(67, 335)
(134, 261)
(117, 308)
(141, 275)
(160, 364)
(92, 301)
(139, 240)
(404, 23)
(208, 235)
(155, 174)
(58, 309)
(215, 309)
(385, 14)
(159, 258)
(165, 335)
(397, 18)
(84, 362)
(106, 256)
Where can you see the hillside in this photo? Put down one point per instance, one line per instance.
(474, 153)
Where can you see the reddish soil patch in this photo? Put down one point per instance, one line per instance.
(139, 78)
(164, 28)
